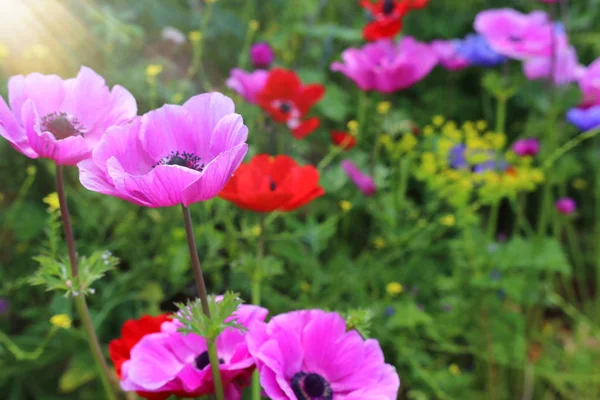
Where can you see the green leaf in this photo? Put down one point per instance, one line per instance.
(335, 104)
(539, 255)
(79, 372)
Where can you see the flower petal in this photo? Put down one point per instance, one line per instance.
(46, 91)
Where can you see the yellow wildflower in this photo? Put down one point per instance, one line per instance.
(31, 170)
(352, 127)
(448, 220)
(345, 205)
(454, 369)
(253, 25)
(177, 98)
(153, 70)
(579, 184)
(52, 201)
(428, 130)
(481, 125)
(379, 242)
(438, 120)
(304, 286)
(255, 230)
(394, 288)
(195, 36)
(61, 321)
(385, 140)
(384, 107)
(211, 1)
(407, 143)
(179, 233)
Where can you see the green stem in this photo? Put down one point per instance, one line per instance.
(243, 58)
(333, 152)
(577, 255)
(256, 282)
(493, 221)
(404, 175)
(201, 287)
(501, 115)
(26, 355)
(571, 144)
(80, 304)
(212, 355)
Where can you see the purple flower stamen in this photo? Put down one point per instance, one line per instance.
(183, 159)
(62, 125)
(310, 386)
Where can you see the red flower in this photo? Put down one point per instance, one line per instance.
(343, 139)
(270, 183)
(288, 101)
(132, 332)
(387, 16)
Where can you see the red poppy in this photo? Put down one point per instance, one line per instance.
(288, 101)
(343, 139)
(270, 183)
(132, 332)
(387, 16)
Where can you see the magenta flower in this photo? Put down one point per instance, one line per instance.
(526, 147)
(566, 205)
(448, 55)
(566, 69)
(173, 155)
(518, 35)
(308, 355)
(170, 361)
(385, 66)
(62, 119)
(590, 83)
(364, 182)
(248, 84)
(262, 55)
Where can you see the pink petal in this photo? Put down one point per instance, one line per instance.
(229, 132)
(12, 131)
(208, 109)
(46, 92)
(152, 365)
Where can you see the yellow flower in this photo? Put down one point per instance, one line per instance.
(353, 127)
(304, 286)
(454, 369)
(211, 1)
(345, 205)
(438, 120)
(179, 233)
(253, 25)
(177, 98)
(384, 107)
(428, 130)
(155, 215)
(579, 184)
(386, 141)
(195, 36)
(61, 321)
(255, 230)
(394, 288)
(448, 220)
(52, 201)
(153, 70)
(481, 125)
(407, 143)
(31, 170)
(379, 242)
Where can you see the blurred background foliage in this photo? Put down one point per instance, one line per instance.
(460, 317)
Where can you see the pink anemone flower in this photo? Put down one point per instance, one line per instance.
(248, 84)
(590, 83)
(173, 155)
(364, 182)
(566, 67)
(309, 355)
(170, 361)
(448, 55)
(387, 67)
(62, 120)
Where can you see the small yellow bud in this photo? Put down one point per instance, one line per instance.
(177, 98)
(153, 70)
(304, 286)
(438, 120)
(255, 230)
(254, 25)
(379, 242)
(448, 220)
(394, 288)
(195, 36)
(481, 125)
(407, 143)
(52, 201)
(31, 170)
(579, 184)
(428, 130)
(454, 369)
(61, 321)
(353, 127)
(384, 107)
(345, 205)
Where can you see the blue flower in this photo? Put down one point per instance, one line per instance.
(475, 49)
(457, 158)
(585, 118)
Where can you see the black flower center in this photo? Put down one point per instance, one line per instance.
(183, 159)
(310, 386)
(514, 38)
(203, 360)
(388, 7)
(61, 125)
(272, 185)
(285, 108)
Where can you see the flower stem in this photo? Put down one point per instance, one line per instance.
(201, 287)
(501, 114)
(256, 281)
(80, 304)
(493, 221)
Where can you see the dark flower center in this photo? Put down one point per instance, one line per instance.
(203, 360)
(388, 7)
(310, 386)
(514, 38)
(183, 159)
(62, 125)
(285, 108)
(272, 185)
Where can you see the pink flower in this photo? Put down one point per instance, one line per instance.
(447, 53)
(262, 55)
(566, 69)
(566, 205)
(62, 119)
(248, 84)
(170, 361)
(526, 147)
(364, 182)
(385, 66)
(590, 83)
(308, 355)
(518, 35)
(173, 155)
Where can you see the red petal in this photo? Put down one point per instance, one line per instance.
(343, 139)
(310, 95)
(281, 84)
(382, 29)
(306, 128)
